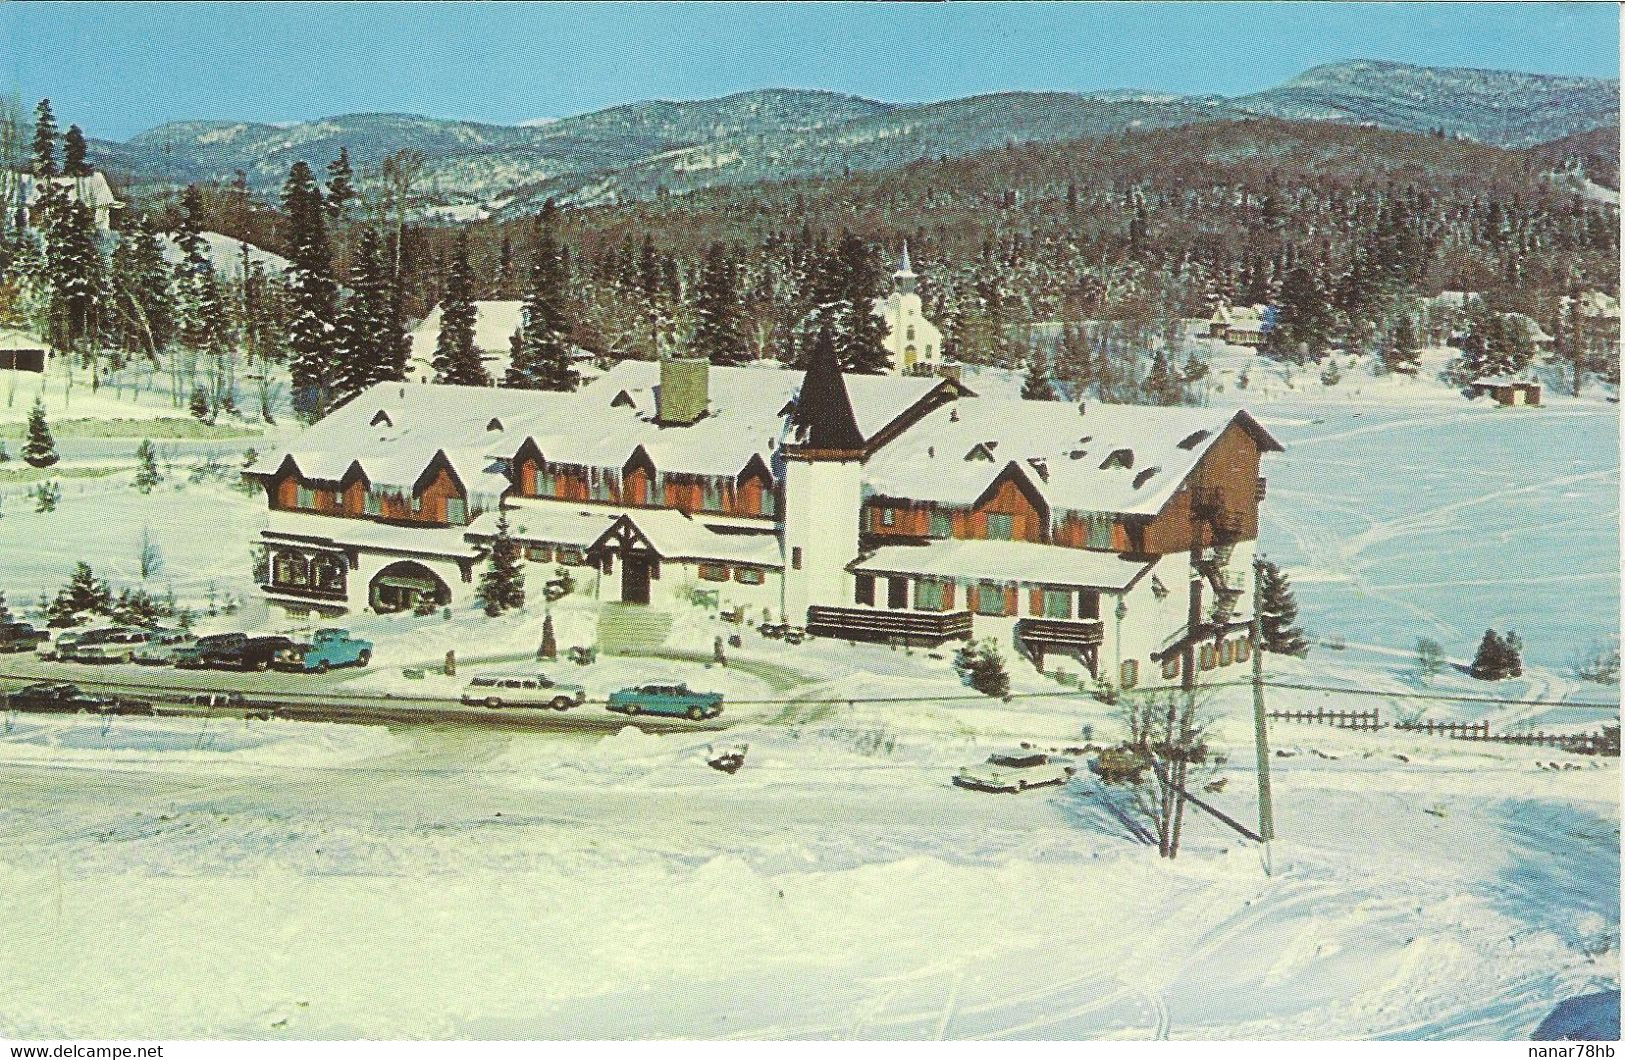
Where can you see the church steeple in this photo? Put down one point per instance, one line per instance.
(904, 278)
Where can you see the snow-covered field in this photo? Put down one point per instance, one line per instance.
(171, 878)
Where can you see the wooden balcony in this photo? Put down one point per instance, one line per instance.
(1054, 634)
(914, 628)
(304, 592)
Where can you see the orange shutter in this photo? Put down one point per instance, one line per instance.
(948, 596)
(1010, 600)
(1036, 598)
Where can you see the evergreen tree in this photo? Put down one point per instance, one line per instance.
(1302, 318)
(312, 291)
(340, 186)
(44, 140)
(143, 302)
(85, 594)
(40, 448)
(1278, 610)
(502, 585)
(198, 404)
(77, 272)
(860, 333)
(146, 469)
(365, 340)
(1036, 386)
(1162, 386)
(1490, 661)
(987, 670)
(5, 612)
(542, 359)
(718, 325)
(548, 649)
(1402, 353)
(74, 161)
(456, 358)
(202, 321)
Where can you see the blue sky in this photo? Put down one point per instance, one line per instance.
(117, 68)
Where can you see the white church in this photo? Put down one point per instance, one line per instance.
(915, 344)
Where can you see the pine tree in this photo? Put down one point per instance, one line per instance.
(85, 594)
(5, 612)
(542, 359)
(40, 448)
(987, 670)
(77, 273)
(198, 404)
(366, 343)
(1278, 610)
(456, 358)
(44, 140)
(74, 160)
(718, 326)
(1490, 661)
(202, 321)
(340, 186)
(143, 302)
(1036, 386)
(502, 585)
(1161, 385)
(860, 332)
(312, 291)
(548, 649)
(146, 469)
(1402, 353)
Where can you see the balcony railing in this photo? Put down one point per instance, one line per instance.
(305, 592)
(1054, 634)
(927, 628)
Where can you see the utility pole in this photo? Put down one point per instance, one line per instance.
(1266, 811)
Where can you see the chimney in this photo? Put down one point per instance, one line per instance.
(1083, 408)
(685, 390)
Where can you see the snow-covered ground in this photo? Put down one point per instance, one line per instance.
(176, 878)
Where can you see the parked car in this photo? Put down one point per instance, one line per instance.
(523, 690)
(217, 700)
(327, 648)
(117, 644)
(162, 646)
(72, 649)
(197, 654)
(64, 697)
(58, 645)
(1015, 772)
(20, 636)
(249, 653)
(671, 699)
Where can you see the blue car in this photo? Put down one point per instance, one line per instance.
(674, 700)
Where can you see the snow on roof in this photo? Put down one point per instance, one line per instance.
(675, 535)
(19, 339)
(333, 532)
(550, 522)
(1021, 561)
(1502, 380)
(93, 191)
(1094, 461)
(226, 255)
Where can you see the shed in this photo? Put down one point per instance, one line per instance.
(23, 352)
(1506, 391)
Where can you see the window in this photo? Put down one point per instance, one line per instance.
(795, 558)
(897, 593)
(1209, 657)
(456, 511)
(770, 501)
(990, 600)
(911, 331)
(372, 504)
(888, 517)
(928, 595)
(306, 498)
(547, 484)
(1000, 527)
(942, 524)
(327, 572)
(1129, 673)
(1170, 666)
(865, 592)
(928, 351)
(1244, 649)
(1057, 603)
(598, 487)
(1088, 603)
(1227, 653)
(570, 557)
(539, 553)
(749, 575)
(713, 572)
(711, 494)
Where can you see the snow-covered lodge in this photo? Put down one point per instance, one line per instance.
(1240, 325)
(863, 507)
(24, 192)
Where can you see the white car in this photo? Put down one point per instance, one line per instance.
(1015, 772)
(161, 645)
(523, 690)
(60, 646)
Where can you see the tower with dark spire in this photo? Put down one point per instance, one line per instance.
(904, 280)
(823, 419)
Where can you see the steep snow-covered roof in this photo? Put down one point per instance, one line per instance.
(1021, 561)
(495, 321)
(226, 255)
(1108, 458)
(93, 191)
(553, 522)
(675, 535)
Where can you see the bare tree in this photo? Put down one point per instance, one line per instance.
(150, 558)
(1167, 730)
(400, 172)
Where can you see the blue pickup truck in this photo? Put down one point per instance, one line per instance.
(327, 648)
(673, 700)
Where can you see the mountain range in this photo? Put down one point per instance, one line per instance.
(642, 149)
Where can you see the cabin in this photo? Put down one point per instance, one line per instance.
(1114, 540)
(1507, 392)
(1240, 325)
(24, 193)
(21, 351)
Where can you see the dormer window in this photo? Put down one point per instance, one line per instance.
(494, 425)
(623, 400)
(1193, 440)
(1145, 476)
(1119, 458)
(981, 451)
(1040, 465)
(381, 418)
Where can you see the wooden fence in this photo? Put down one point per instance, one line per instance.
(1456, 730)
(1342, 719)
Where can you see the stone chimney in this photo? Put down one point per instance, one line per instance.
(685, 390)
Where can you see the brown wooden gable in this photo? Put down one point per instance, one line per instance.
(1011, 493)
(1219, 498)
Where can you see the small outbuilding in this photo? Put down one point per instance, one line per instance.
(22, 352)
(1507, 392)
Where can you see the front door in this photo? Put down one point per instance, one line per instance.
(635, 571)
